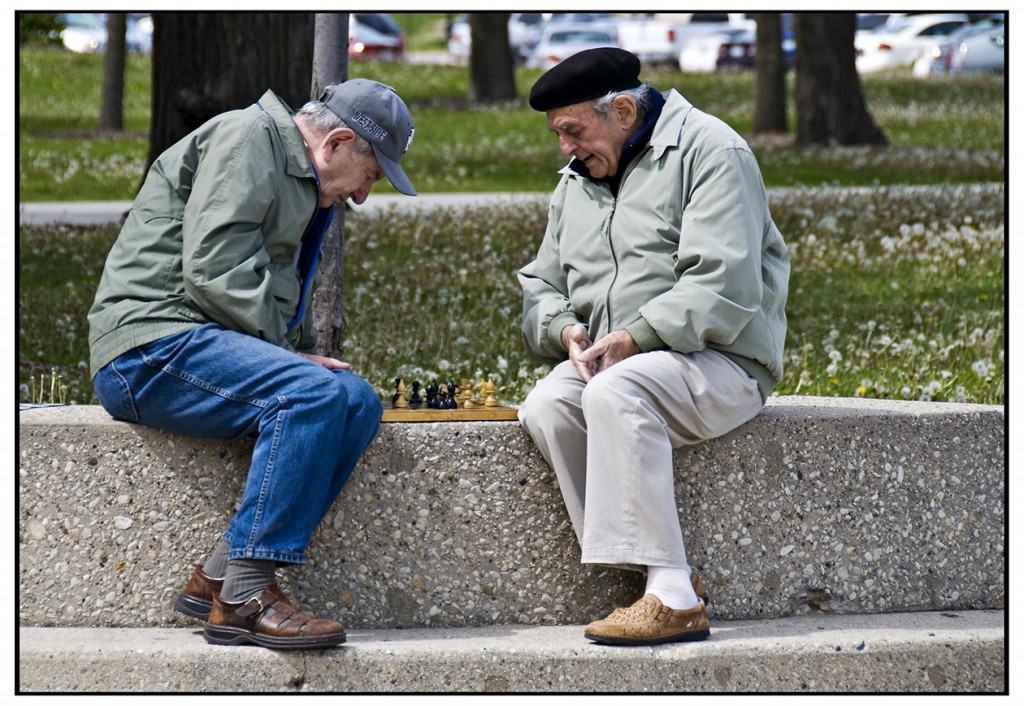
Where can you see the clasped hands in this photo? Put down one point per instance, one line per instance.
(590, 358)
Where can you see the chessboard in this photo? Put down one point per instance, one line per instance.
(447, 402)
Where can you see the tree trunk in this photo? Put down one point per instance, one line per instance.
(770, 102)
(205, 63)
(330, 66)
(112, 98)
(491, 64)
(829, 102)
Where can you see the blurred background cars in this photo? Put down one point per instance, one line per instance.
(901, 39)
(524, 31)
(560, 40)
(978, 46)
(86, 32)
(652, 39)
(83, 33)
(739, 51)
(375, 35)
(700, 53)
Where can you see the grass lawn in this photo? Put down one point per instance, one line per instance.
(942, 131)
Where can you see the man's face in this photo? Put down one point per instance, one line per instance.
(345, 173)
(596, 142)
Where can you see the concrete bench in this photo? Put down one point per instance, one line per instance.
(817, 505)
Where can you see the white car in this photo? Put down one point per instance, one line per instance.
(981, 52)
(702, 35)
(84, 33)
(899, 42)
(700, 53)
(560, 41)
(523, 33)
(980, 46)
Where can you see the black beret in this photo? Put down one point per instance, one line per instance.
(585, 76)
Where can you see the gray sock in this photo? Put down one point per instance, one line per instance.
(246, 578)
(217, 564)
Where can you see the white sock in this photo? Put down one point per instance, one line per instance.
(672, 586)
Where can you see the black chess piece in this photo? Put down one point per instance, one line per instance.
(432, 392)
(415, 400)
(394, 397)
(451, 402)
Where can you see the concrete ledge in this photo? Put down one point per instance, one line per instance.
(818, 504)
(920, 652)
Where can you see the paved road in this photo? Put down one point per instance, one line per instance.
(99, 213)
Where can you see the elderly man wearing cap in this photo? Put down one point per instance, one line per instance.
(658, 292)
(202, 325)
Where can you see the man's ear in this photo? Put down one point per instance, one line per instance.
(334, 139)
(625, 110)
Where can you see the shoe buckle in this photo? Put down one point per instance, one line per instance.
(253, 606)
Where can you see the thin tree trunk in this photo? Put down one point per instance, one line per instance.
(770, 103)
(330, 66)
(112, 99)
(491, 64)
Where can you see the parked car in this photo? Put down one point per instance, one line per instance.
(139, 33)
(870, 21)
(651, 39)
(523, 33)
(702, 34)
(375, 35)
(700, 53)
(704, 24)
(740, 50)
(981, 52)
(83, 33)
(899, 42)
(87, 32)
(559, 41)
(984, 41)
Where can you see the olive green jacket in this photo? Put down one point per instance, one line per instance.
(213, 236)
(686, 257)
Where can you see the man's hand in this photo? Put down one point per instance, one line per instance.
(576, 340)
(329, 363)
(616, 346)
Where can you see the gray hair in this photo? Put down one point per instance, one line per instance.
(640, 95)
(322, 120)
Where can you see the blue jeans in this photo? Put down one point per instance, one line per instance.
(311, 424)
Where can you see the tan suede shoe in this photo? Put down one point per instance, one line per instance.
(698, 586)
(648, 622)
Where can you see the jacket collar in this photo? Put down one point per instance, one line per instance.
(667, 131)
(298, 162)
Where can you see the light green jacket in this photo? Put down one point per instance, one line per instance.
(686, 257)
(212, 237)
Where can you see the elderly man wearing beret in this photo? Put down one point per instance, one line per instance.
(658, 294)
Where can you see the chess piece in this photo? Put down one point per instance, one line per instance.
(467, 396)
(415, 400)
(491, 400)
(398, 399)
(432, 394)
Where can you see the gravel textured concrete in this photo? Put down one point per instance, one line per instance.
(960, 652)
(830, 505)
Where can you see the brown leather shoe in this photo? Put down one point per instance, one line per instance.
(269, 620)
(648, 622)
(196, 598)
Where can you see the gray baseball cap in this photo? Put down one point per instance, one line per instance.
(376, 113)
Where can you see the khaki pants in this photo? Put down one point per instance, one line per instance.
(610, 444)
